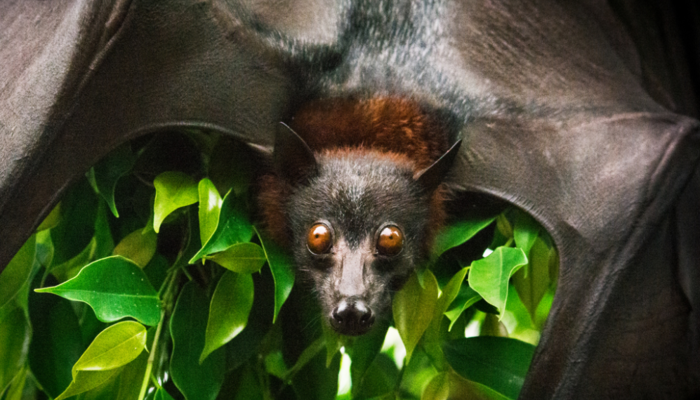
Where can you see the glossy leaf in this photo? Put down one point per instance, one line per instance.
(138, 246)
(525, 231)
(114, 347)
(115, 288)
(105, 175)
(233, 227)
(14, 342)
(281, 266)
(466, 298)
(413, 309)
(229, 310)
(533, 281)
(17, 272)
(499, 363)
(101, 245)
(244, 258)
(450, 292)
(209, 208)
(173, 190)
(458, 233)
(88, 380)
(188, 329)
(432, 337)
(489, 276)
(56, 343)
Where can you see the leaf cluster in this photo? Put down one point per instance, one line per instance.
(150, 280)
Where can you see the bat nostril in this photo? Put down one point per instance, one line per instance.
(352, 317)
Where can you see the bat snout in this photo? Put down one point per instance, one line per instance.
(352, 316)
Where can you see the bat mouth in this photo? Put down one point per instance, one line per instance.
(352, 317)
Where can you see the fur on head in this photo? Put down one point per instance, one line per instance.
(359, 216)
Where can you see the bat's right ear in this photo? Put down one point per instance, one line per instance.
(294, 160)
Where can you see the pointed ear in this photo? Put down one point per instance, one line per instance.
(432, 176)
(294, 160)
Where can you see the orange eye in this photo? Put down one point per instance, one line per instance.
(390, 241)
(319, 239)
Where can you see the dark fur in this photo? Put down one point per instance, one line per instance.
(368, 158)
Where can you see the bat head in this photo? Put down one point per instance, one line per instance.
(359, 221)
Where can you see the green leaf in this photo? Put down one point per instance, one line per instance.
(77, 225)
(114, 347)
(138, 246)
(317, 380)
(16, 388)
(449, 385)
(413, 309)
(466, 298)
(173, 190)
(281, 266)
(492, 326)
(458, 233)
(438, 388)
(432, 337)
(503, 226)
(533, 281)
(310, 352)
(380, 379)
(231, 165)
(499, 363)
(229, 310)
(187, 329)
(525, 231)
(100, 245)
(51, 220)
(56, 343)
(14, 342)
(363, 351)
(333, 340)
(115, 288)
(88, 380)
(107, 172)
(161, 394)
(489, 276)
(244, 258)
(233, 227)
(17, 272)
(209, 208)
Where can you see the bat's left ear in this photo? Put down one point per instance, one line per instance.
(293, 158)
(432, 176)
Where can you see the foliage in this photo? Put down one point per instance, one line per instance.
(181, 296)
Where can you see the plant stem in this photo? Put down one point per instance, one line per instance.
(151, 357)
(167, 305)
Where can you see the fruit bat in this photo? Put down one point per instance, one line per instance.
(573, 112)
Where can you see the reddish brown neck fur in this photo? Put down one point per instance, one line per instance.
(387, 124)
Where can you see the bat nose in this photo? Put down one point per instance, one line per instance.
(352, 317)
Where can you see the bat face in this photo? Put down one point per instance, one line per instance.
(359, 226)
(358, 221)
